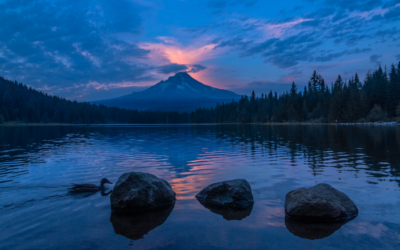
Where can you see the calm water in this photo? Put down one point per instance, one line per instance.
(37, 165)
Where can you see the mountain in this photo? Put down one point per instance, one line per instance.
(180, 92)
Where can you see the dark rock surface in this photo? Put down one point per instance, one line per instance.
(319, 203)
(312, 230)
(229, 214)
(136, 192)
(135, 226)
(233, 194)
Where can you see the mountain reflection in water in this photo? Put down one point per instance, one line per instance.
(38, 163)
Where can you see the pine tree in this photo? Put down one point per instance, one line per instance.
(393, 92)
(322, 84)
(45, 118)
(398, 113)
(9, 105)
(336, 110)
(293, 90)
(376, 114)
(314, 82)
(357, 82)
(352, 111)
(381, 83)
(5, 114)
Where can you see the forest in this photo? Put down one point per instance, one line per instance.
(376, 98)
(20, 103)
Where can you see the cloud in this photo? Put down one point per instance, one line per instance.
(239, 42)
(220, 6)
(71, 43)
(260, 86)
(166, 39)
(196, 68)
(374, 59)
(393, 13)
(331, 56)
(172, 68)
(288, 42)
(191, 54)
(260, 47)
(392, 3)
(361, 5)
(339, 16)
(66, 46)
(289, 52)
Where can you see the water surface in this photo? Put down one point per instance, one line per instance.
(38, 164)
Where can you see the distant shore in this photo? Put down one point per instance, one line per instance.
(21, 124)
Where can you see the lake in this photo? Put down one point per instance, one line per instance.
(39, 163)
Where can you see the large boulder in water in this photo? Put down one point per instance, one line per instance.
(136, 192)
(319, 203)
(233, 194)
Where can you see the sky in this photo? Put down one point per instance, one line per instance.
(94, 50)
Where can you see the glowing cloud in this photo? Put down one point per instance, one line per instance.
(163, 53)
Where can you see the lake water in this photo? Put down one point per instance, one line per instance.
(38, 163)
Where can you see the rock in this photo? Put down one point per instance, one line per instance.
(233, 194)
(229, 214)
(319, 203)
(135, 226)
(313, 230)
(137, 192)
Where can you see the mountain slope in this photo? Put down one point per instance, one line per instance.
(179, 93)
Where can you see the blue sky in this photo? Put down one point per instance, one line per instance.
(91, 50)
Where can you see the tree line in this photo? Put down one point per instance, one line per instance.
(20, 103)
(377, 98)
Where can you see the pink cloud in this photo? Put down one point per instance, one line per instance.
(170, 51)
(370, 14)
(192, 54)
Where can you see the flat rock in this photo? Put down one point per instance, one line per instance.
(137, 192)
(319, 203)
(233, 194)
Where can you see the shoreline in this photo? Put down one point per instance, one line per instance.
(17, 124)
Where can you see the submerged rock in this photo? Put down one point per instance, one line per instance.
(319, 203)
(135, 226)
(229, 214)
(233, 194)
(136, 192)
